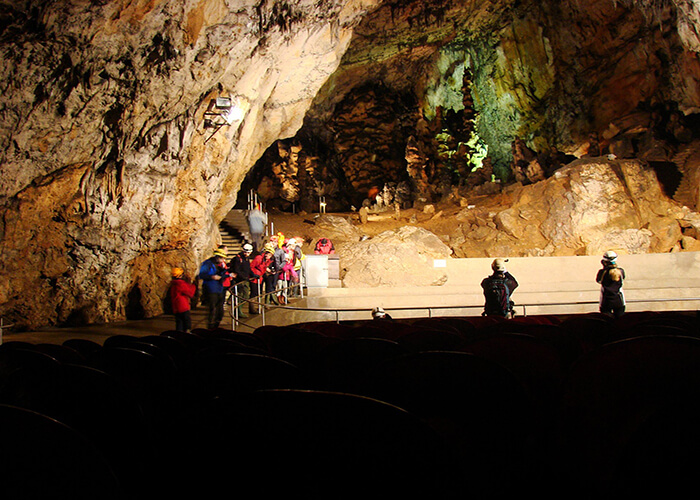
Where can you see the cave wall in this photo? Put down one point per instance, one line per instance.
(550, 73)
(108, 176)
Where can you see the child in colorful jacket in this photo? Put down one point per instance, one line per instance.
(181, 295)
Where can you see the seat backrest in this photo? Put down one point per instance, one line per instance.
(313, 443)
(612, 389)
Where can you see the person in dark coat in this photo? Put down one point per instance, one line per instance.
(213, 272)
(498, 289)
(611, 278)
(242, 274)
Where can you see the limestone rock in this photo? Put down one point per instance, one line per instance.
(336, 228)
(394, 258)
(586, 207)
(112, 168)
(110, 171)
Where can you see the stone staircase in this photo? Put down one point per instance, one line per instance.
(687, 161)
(234, 231)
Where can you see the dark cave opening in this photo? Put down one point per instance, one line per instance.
(669, 176)
(134, 307)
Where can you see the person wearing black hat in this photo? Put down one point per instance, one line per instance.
(610, 278)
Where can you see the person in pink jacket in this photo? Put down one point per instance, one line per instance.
(181, 294)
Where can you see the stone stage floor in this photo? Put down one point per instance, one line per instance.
(137, 328)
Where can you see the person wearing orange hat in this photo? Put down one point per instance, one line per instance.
(181, 295)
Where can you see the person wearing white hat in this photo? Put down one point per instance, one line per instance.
(380, 313)
(610, 278)
(242, 275)
(498, 289)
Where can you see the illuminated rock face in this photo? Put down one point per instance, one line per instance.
(588, 207)
(108, 176)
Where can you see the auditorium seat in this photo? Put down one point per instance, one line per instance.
(247, 339)
(61, 353)
(106, 412)
(84, 346)
(312, 444)
(342, 365)
(148, 372)
(428, 338)
(476, 404)
(660, 459)
(556, 335)
(435, 323)
(218, 374)
(535, 362)
(43, 458)
(659, 323)
(609, 393)
(296, 345)
(328, 328)
(176, 349)
(216, 344)
(462, 326)
(381, 329)
(588, 330)
(191, 340)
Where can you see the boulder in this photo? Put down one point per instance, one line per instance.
(402, 257)
(336, 228)
(585, 208)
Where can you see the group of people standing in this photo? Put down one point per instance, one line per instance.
(499, 286)
(273, 272)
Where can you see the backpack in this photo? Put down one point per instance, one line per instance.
(497, 295)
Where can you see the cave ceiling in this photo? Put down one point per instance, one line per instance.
(551, 73)
(109, 174)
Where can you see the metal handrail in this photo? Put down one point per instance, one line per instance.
(259, 300)
(431, 309)
(2, 327)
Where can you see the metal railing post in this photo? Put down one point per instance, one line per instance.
(261, 304)
(234, 308)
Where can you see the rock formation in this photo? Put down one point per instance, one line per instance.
(394, 258)
(585, 208)
(109, 174)
(128, 127)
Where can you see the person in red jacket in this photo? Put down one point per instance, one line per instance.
(324, 246)
(263, 268)
(181, 294)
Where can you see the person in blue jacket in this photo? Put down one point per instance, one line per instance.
(212, 272)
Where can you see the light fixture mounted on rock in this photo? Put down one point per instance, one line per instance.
(223, 111)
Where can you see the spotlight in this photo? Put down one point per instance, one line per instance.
(225, 111)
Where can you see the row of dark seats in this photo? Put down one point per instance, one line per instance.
(582, 406)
